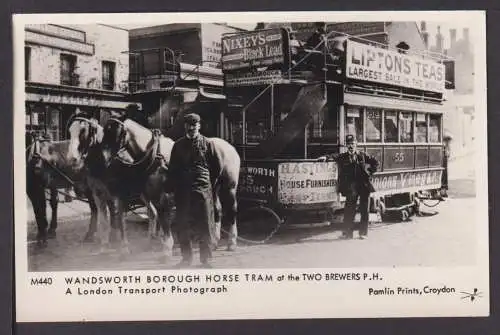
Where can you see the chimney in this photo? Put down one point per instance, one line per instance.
(453, 37)
(439, 40)
(466, 34)
(425, 34)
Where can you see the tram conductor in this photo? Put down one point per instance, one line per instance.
(355, 171)
(192, 166)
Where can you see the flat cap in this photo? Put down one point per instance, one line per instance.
(350, 139)
(191, 118)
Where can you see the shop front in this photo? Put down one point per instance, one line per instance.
(48, 108)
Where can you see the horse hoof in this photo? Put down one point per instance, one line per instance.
(41, 244)
(231, 248)
(89, 238)
(163, 259)
(51, 234)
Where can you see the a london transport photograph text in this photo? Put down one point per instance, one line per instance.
(255, 145)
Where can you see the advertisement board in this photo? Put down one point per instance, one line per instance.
(252, 78)
(307, 182)
(254, 49)
(406, 181)
(368, 63)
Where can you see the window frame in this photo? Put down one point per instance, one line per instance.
(72, 61)
(111, 84)
(27, 63)
(398, 141)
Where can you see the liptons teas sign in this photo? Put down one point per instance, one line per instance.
(254, 49)
(368, 63)
(307, 182)
(407, 181)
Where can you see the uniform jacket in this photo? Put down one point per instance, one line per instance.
(356, 173)
(193, 166)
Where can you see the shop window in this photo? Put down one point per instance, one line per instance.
(323, 127)
(354, 122)
(68, 66)
(27, 63)
(434, 128)
(373, 125)
(391, 126)
(406, 127)
(420, 128)
(108, 75)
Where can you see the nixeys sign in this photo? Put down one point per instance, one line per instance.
(368, 63)
(254, 49)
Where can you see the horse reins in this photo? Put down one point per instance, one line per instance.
(154, 147)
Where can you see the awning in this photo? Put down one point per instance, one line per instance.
(215, 96)
(391, 103)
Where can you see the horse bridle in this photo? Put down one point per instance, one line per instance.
(122, 147)
(92, 133)
(122, 143)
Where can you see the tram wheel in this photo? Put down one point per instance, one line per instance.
(257, 222)
(404, 215)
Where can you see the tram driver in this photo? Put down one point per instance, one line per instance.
(355, 171)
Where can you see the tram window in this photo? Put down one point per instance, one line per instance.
(420, 128)
(237, 132)
(323, 126)
(434, 128)
(406, 127)
(373, 125)
(391, 126)
(354, 123)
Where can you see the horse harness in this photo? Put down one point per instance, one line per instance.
(153, 153)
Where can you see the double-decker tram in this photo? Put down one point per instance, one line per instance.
(290, 103)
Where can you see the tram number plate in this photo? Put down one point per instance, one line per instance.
(399, 157)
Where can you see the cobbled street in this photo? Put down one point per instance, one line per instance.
(444, 239)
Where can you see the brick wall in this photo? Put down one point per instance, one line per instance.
(109, 45)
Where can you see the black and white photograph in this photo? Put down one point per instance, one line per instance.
(197, 156)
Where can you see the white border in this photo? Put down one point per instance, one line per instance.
(251, 301)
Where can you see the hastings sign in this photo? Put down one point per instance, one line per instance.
(368, 63)
(307, 182)
(255, 49)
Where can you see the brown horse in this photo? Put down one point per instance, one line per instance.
(47, 168)
(136, 161)
(125, 139)
(85, 153)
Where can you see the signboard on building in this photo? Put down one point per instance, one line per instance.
(357, 28)
(307, 182)
(254, 49)
(368, 63)
(407, 181)
(76, 100)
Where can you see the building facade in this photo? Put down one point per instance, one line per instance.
(176, 69)
(71, 68)
(459, 121)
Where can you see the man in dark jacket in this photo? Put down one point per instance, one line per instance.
(355, 171)
(191, 176)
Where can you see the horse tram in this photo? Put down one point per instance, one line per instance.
(291, 102)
